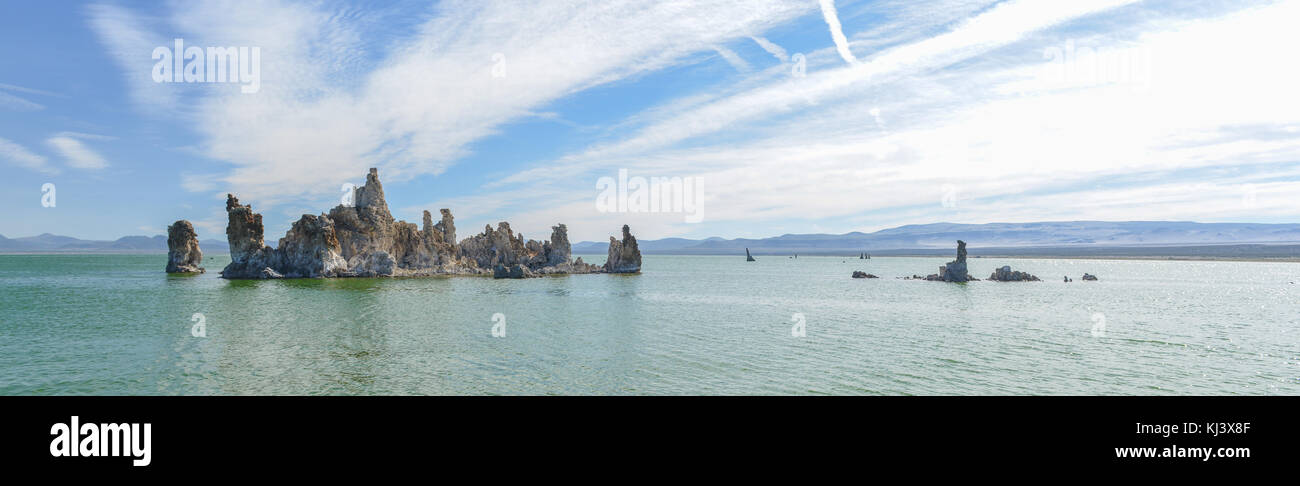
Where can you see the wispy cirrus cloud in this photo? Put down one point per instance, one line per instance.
(10, 101)
(776, 51)
(85, 136)
(732, 58)
(412, 107)
(976, 108)
(76, 153)
(933, 94)
(16, 103)
(18, 156)
(130, 38)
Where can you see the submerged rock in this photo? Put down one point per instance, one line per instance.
(954, 271)
(1005, 274)
(364, 240)
(512, 271)
(624, 257)
(183, 253)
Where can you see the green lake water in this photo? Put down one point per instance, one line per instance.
(117, 325)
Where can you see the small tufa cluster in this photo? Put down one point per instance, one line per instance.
(1005, 274)
(363, 240)
(954, 271)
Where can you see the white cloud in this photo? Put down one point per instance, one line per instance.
(998, 27)
(76, 154)
(960, 86)
(1016, 145)
(323, 115)
(17, 155)
(131, 42)
(894, 22)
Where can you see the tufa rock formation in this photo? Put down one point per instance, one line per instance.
(954, 271)
(1005, 274)
(363, 240)
(502, 247)
(624, 257)
(183, 253)
(249, 255)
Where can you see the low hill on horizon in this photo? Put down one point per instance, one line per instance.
(938, 238)
(48, 242)
(943, 236)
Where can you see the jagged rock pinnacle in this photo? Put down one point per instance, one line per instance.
(183, 253)
(624, 256)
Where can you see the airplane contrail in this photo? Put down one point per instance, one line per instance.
(837, 32)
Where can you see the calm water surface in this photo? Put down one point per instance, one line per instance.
(115, 324)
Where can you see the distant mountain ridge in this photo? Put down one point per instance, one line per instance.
(55, 243)
(934, 236)
(988, 235)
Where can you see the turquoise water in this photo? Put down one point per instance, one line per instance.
(115, 324)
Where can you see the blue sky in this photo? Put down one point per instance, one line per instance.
(910, 112)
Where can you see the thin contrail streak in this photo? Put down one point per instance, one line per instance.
(837, 32)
